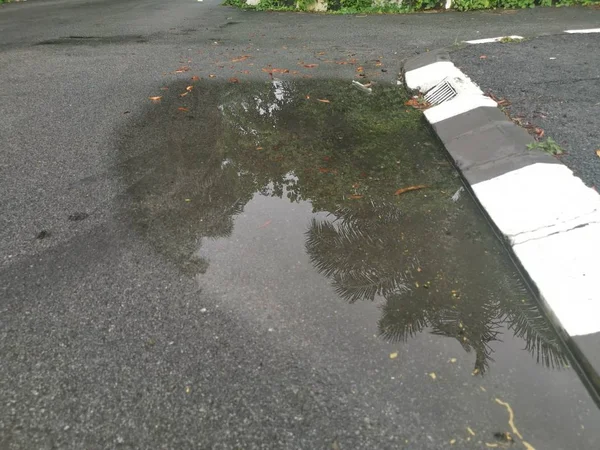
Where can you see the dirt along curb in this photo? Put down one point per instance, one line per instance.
(549, 218)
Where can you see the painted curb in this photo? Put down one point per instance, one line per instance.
(548, 216)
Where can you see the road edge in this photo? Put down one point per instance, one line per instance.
(548, 219)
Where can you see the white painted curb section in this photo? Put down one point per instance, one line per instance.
(537, 201)
(458, 105)
(550, 217)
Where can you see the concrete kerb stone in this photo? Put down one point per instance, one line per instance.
(548, 217)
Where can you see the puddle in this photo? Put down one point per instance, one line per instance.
(331, 159)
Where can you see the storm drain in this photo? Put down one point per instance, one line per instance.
(440, 93)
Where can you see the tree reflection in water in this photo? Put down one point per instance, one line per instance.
(431, 262)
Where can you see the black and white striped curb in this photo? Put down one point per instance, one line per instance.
(549, 217)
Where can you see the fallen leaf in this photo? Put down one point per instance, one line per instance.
(598, 153)
(259, 148)
(320, 53)
(323, 100)
(182, 69)
(360, 69)
(234, 80)
(378, 64)
(155, 99)
(417, 103)
(266, 224)
(187, 389)
(195, 78)
(241, 58)
(393, 355)
(182, 109)
(189, 88)
(432, 375)
(452, 360)
(183, 94)
(310, 66)
(475, 372)
(212, 76)
(483, 57)
(275, 70)
(355, 197)
(409, 188)
(452, 441)
(471, 432)
(538, 132)
(187, 200)
(490, 445)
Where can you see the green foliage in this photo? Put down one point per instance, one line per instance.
(465, 5)
(549, 146)
(368, 6)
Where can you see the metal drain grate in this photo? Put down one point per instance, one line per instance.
(440, 93)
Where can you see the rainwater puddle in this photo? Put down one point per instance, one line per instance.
(331, 218)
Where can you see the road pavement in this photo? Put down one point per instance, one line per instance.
(160, 291)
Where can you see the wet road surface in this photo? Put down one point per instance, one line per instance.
(240, 264)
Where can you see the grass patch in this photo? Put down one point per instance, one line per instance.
(549, 146)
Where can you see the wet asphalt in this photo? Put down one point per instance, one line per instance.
(551, 83)
(231, 266)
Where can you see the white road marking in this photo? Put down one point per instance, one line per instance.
(495, 39)
(589, 30)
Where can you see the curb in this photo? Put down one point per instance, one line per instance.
(548, 217)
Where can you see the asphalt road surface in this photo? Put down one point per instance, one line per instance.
(552, 83)
(231, 265)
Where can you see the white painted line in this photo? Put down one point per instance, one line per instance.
(589, 30)
(459, 105)
(565, 269)
(496, 39)
(536, 201)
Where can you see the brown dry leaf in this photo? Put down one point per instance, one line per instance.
(195, 78)
(259, 148)
(212, 75)
(183, 94)
(182, 69)
(356, 197)
(360, 69)
(538, 132)
(598, 153)
(378, 63)
(310, 66)
(483, 57)
(241, 58)
(321, 53)
(182, 109)
(417, 103)
(156, 98)
(234, 80)
(323, 100)
(275, 70)
(409, 188)
(189, 88)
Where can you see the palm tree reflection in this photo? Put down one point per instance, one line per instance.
(361, 253)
